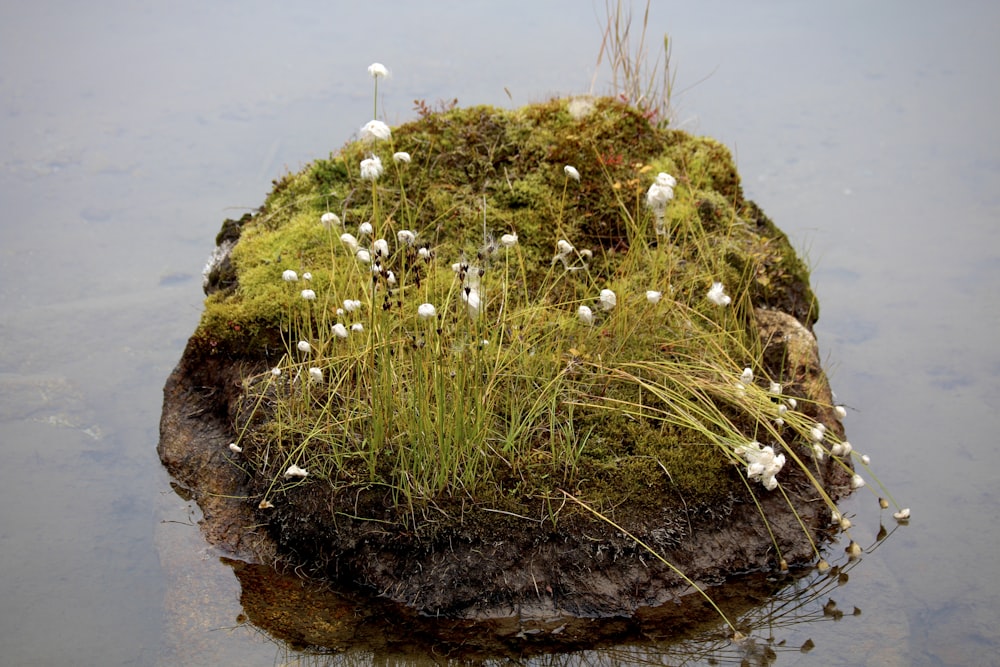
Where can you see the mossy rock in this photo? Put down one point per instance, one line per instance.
(526, 533)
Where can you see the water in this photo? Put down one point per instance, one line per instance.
(865, 130)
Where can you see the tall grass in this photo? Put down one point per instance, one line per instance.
(644, 82)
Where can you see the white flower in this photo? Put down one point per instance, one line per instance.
(390, 278)
(424, 253)
(841, 411)
(782, 409)
(563, 248)
(857, 481)
(350, 305)
(508, 240)
(817, 432)
(378, 71)
(365, 229)
(304, 346)
(572, 172)
(295, 471)
(289, 276)
(658, 196)
(902, 515)
(585, 314)
(307, 276)
(747, 375)
(762, 463)
(357, 327)
(401, 156)
(792, 403)
(586, 254)
(364, 256)
(371, 168)
(308, 295)
(381, 248)
(608, 299)
(653, 296)
(426, 311)
(846, 448)
(316, 374)
(329, 219)
(665, 180)
(866, 459)
(236, 449)
(472, 300)
(276, 371)
(339, 330)
(406, 237)
(718, 296)
(375, 129)
(350, 241)
(775, 389)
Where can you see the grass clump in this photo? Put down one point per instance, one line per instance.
(490, 312)
(571, 345)
(499, 323)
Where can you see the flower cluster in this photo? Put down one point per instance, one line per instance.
(763, 464)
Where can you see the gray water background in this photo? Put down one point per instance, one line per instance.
(867, 130)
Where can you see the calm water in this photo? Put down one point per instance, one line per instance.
(866, 130)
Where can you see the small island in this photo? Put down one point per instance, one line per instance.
(545, 362)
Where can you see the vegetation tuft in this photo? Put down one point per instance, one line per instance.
(536, 315)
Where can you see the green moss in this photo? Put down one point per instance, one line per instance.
(512, 162)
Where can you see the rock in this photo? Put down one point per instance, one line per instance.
(540, 555)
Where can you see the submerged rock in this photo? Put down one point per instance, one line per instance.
(527, 536)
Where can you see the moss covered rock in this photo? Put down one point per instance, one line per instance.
(510, 454)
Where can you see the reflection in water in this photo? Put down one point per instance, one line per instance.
(313, 625)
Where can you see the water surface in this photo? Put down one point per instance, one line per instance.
(866, 131)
